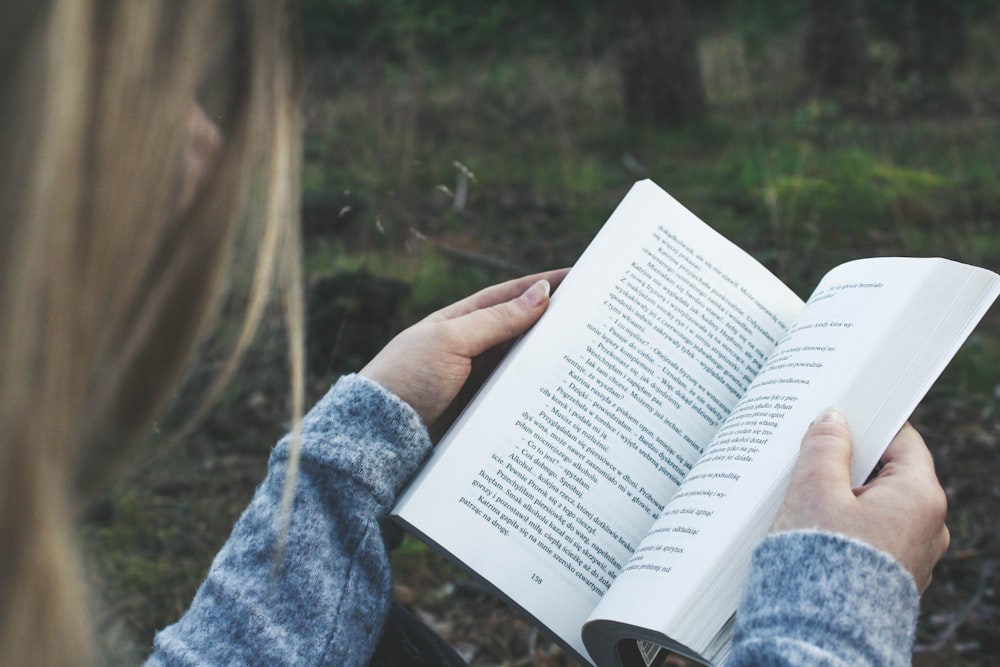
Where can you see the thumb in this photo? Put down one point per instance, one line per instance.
(822, 475)
(483, 328)
(825, 455)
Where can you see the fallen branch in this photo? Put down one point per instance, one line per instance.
(478, 259)
(469, 256)
(948, 634)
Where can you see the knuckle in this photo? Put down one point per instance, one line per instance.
(945, 540)
(824, 442)
(824, 436)
(938, 503)
(448, 334)
(910, 433)
(829, 429)
(501, 320)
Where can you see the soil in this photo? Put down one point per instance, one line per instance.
(153, 537)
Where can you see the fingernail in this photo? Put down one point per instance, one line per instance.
(537, 293)
(833, 415)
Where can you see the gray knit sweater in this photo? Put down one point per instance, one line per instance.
(813, 598)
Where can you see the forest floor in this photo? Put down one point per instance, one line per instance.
(801, 184)
(162, 526)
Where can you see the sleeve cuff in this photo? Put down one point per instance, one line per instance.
(362, 429)
(813, 594)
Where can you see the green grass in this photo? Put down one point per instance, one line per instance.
(803, 186)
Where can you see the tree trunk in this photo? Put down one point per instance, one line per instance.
(659, 64)
(934, 41)
(835, 55)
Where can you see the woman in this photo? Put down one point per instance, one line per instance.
(121, 207)
(147, 143)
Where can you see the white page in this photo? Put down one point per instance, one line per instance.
(600, 483)
(855, 345)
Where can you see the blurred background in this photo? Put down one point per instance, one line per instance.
(449, 146)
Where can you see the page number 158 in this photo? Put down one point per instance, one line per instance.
(535, 578)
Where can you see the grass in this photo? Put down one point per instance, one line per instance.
(802, 187)
(801, 184)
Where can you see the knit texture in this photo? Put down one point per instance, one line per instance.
(813, 598)
(817, 598)
(325, 601)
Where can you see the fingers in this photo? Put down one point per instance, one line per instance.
(908, 452)
(901, 511)
(907, 464)
(428, 364)
(498, 294)
(908, 473)
(479, 330)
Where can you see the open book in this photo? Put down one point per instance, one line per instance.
(613, 475)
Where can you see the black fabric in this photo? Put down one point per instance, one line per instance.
(406, 641)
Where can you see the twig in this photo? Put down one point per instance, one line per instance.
(985, 574)
(479, 259)
(462, 179)
(532, 657)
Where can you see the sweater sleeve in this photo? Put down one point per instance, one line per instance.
(322, 601)
(816, 598)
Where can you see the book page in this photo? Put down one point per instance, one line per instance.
(864, 343)
(550, 479)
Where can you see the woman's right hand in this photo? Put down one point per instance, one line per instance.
(428, 364)
(901, 510)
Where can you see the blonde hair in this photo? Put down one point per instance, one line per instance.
(106, 288)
